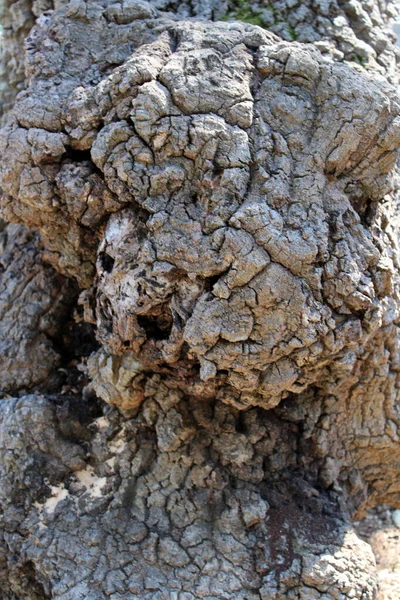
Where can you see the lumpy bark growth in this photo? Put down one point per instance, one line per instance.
(199, 299)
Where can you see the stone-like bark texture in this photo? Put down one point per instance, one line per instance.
(227, 201)
(380, 527)
(188, 500)
(34, 301)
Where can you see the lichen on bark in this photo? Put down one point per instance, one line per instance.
(227, 203)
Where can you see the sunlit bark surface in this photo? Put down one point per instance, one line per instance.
(199, 298)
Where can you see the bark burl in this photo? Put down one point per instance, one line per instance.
(219, 206)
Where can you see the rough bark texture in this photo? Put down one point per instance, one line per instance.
(227, 202)
(381, 528)
(34, 299)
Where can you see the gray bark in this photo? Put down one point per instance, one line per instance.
(199, 298)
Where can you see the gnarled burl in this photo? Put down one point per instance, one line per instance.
(227, 203)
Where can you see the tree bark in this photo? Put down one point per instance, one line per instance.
(199, 298)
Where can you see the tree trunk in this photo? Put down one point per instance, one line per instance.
(199, 298)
